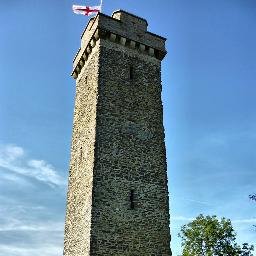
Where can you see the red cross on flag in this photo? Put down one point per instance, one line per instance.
(86, 10)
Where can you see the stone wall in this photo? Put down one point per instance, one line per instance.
(79, 199)
(129, 155)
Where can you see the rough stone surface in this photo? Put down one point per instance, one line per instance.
(118, 198)
(79, 200)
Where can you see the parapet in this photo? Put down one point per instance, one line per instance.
(131, 20)
(123, 28)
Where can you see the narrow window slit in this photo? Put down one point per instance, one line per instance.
(132, 199)
(81, 153)
(131, 71)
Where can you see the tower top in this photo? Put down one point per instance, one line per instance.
(122, 28)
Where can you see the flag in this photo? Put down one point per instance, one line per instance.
(86, 10)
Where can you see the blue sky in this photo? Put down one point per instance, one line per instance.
(209, 113)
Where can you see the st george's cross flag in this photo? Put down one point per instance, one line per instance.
(86, 10)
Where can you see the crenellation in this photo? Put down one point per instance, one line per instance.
(89, 31)
(142, 47)
(151, 51)
(112, 37)
(130, 20)
(119, 40)
(122, 41)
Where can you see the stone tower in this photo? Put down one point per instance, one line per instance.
(117, 201)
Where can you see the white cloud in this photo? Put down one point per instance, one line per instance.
(250, 221)
(14, 160)
(13, 224)
(196, 201)
(181, 218)
(47, 250)
(26, 234)
(30, 221)
(10, 153)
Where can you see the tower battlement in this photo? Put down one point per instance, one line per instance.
(139, 24)
(121, 28)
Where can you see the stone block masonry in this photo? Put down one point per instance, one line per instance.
(117, 201)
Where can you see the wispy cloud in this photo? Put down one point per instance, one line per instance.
(184, 218)
(14, 224)
(31, 222)
(196, 201)
(46, 250)
(250, 221)
(181, 218)
(13, 159)
(23, 232)
(30, 230)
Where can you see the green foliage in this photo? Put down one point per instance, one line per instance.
(246, 250)
(253, 197)
(207, 236)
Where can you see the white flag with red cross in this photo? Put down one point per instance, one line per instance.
(86, 10)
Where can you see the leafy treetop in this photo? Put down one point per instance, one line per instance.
(208, 236)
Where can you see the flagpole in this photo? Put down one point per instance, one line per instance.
(100, 5)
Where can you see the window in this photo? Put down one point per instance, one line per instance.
(131, 72)
(132, 199)
(81, 154)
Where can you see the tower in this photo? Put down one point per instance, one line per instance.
(117, 201)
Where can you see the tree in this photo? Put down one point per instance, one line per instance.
(208, 236)
(246, 250)
(253, 197)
